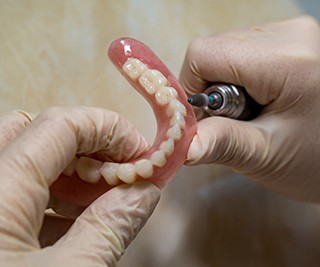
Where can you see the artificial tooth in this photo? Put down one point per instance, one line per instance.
(178, 118)
(126, 173)
(70, 169)
(88, 169)
(158, 158)
(144, 168)
(176, 105)
(167, 147)
(165, 94)
(109, 173)
(134, 68)
(152, 80)
(174, 132)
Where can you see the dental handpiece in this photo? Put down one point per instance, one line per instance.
(227, 100)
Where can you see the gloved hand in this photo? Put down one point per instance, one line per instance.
(279, 65)
(32, 158)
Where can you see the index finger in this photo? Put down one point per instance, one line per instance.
(225, 58)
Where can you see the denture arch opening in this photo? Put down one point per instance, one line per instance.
(164, 95)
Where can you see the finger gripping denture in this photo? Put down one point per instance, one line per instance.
(176, 122)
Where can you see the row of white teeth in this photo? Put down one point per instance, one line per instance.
(155, 84)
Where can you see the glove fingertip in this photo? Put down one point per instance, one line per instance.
(194, 156)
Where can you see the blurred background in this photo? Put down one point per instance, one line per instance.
(53, 53)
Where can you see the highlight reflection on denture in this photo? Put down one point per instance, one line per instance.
(176, 125)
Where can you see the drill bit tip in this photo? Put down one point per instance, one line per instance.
(199, 100)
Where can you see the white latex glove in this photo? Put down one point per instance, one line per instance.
(34, 158)
(279, 65)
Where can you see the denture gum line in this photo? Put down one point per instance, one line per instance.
(156, 85)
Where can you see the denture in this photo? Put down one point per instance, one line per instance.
(85, 178)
